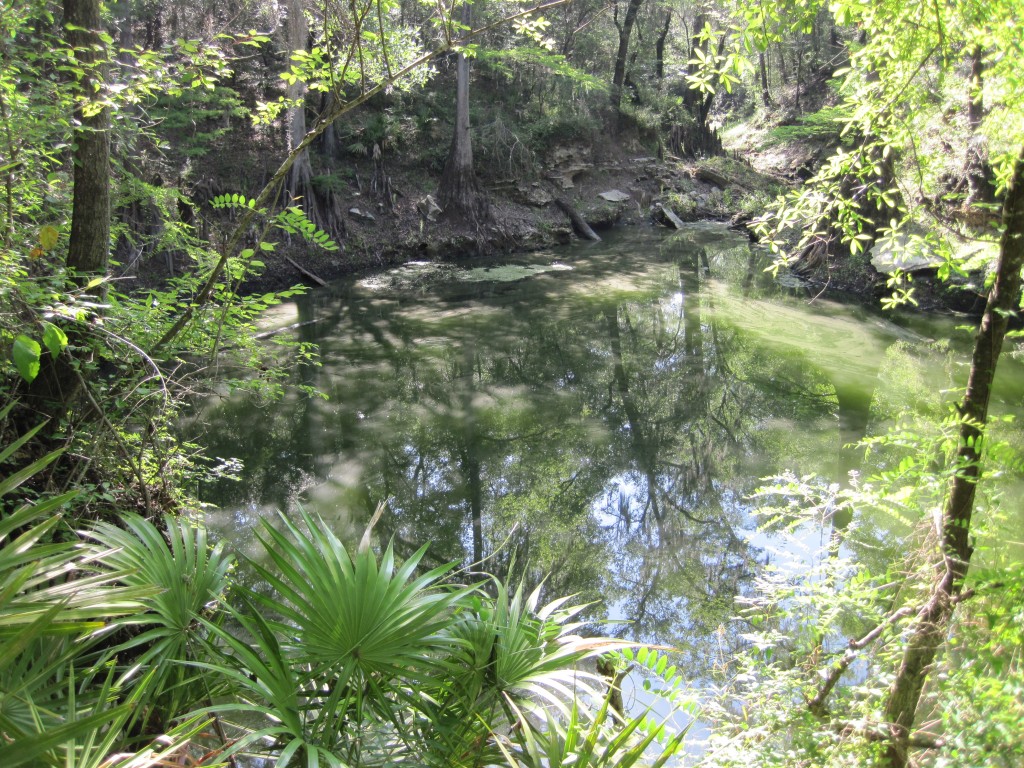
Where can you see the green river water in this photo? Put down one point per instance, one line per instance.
(597, 417)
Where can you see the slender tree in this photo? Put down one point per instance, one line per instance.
(57, 381)
(932, 623)
(625, 27)
(659, 46)
(459, 192)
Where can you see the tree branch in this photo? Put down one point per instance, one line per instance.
(817, 704)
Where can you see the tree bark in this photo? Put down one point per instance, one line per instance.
(459, 193)
(89, 247)
(625, 31)
(697, 139)
(578, 222)
(783, 74)
(57, 383)
(979, 172)
(659, 46)
(975, 103)
(933, 620)
(762, 65)
(299, 184)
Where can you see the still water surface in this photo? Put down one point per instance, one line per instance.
(596, 416)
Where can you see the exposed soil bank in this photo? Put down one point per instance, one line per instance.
(537, 213)
(524, 215)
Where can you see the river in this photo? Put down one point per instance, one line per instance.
(595, 418)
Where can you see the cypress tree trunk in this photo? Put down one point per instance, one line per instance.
(933, 619)
(89, 247)
(459, 193)
(299, 184)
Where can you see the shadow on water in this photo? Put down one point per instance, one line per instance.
(599, 423)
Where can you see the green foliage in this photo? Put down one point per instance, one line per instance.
(983, 686)
(561, 128)
(56, 703)
(352, 659)
(198, 119)
(711, 69)
(841, 617)
(167, 634)
(510, 61)
(903, 115)
(824, 125)
(25, 354)
(291, 220)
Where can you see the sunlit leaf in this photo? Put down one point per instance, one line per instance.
(25, 353)
(54, 338)
(48, 237)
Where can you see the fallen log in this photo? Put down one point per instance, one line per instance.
(578, 222)
(306, 272)
(670, 216)
(712, 176)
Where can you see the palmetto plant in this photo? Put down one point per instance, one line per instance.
(57, 706)
(187, 578)
(117, 648)
(341, 648)
(354, 660)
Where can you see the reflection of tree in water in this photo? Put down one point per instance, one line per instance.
(601, 440)
(687, 398)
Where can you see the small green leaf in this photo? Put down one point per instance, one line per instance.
(54, 338)
(25, 354)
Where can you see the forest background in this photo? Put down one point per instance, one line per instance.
(161, 159)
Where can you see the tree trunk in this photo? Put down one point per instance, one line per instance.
(89, 246)
(329, 140)
(659, 46)
(933, 620)
(979, 172)
(459, 193)
(798, 55)
(583, 229)
(625, 31)
(299, 184)
(762, 65)
(57, 382)
(697, 139)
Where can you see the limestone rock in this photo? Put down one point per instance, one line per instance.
(534, 194)
(428, 208)
(361, 214)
